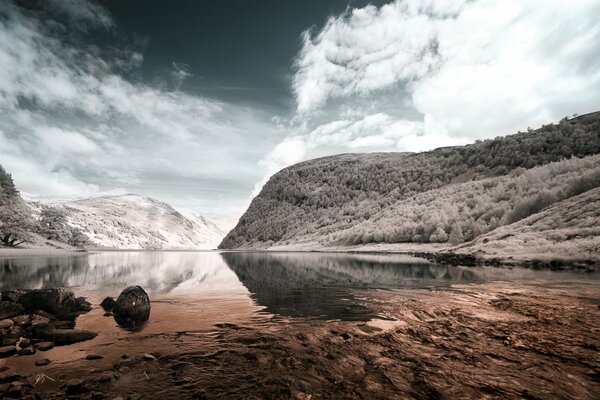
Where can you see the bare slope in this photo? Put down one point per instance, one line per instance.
(448, 195)
(136, 222)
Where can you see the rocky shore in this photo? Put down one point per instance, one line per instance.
(499, 340)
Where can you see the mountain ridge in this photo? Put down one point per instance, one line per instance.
(448, 195)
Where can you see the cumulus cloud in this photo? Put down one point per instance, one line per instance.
(416, 75)
(477, 68)
(72, 122)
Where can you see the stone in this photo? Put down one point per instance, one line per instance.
(9, 309)
(44, 314)
(66, 336)
(7, 377)
(75, 386)
(9, 341)
(25, 343)
(108, 303)
(12, 295)
(22, 320)
(132, 308)
(6, 323)
(148, 357)
(42, 363)
(90, 357)
(7, 351)
(38, 319)
(84, 305)
(44, 346)
(58, 301)
(28, 351)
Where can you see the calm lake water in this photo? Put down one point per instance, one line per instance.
(314, 285)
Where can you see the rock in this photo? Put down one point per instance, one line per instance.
(43, 362)
(108, 303)
(108, 314)
(59, 301)
(25, 343)
(67, 336)
(12, 295)
(22, 320)
(15, 332)
(7, 351)
(9, 341)
(132, 308)
(148, 357)
(70, 324)
(7, 377)
(44, 314)
(84, 305)
(75, 386)
(9, 309)
(28, 351)
(106, 377)
(15, 390)
(44, 346)
(38, 319)
(94, 357)
(6, 323)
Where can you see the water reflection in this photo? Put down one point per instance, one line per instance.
(289, 284)
(323, 285)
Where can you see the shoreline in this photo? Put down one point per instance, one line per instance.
(444, 343)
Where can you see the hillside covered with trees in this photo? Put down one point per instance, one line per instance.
(449, 195)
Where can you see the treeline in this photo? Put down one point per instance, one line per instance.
(19, 224)
(336, 193)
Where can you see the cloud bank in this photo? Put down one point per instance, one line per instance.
(416, 75)
(74, 121)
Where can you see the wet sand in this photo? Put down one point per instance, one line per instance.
(500, 340)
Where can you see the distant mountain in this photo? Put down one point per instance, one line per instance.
(448, 195)
(131, 221)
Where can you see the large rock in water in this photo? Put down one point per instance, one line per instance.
(60, 301)
(132, 308)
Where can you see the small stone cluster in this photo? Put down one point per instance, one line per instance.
(39, 319)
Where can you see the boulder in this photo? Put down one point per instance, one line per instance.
(9, 309)
(84, 305)
(108, 303)
(12, 295)
(132, 308)
(59, 301)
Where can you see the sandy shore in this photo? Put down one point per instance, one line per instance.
(493, 341)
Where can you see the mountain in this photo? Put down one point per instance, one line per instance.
(449, 195)
(131, 221)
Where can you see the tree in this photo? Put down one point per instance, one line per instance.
(439, 236)
(456, 234)
(53, 224)
(16, 222)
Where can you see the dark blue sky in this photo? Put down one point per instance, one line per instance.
(236, 50)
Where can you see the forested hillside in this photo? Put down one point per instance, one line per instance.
(448, 195)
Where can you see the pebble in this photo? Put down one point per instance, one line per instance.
(43, 362)
(7, 351)
(22, 320)
(94, 357)
(148, 357)
(44, 346)
(26, 352)
(6, 323)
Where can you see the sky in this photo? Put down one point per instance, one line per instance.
(199, 103)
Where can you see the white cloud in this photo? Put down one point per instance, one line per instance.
(73, 123)
(478, 68)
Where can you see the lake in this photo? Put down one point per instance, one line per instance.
(227, 311)
(312, 285)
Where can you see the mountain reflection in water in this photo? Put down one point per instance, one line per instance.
(314, 285)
